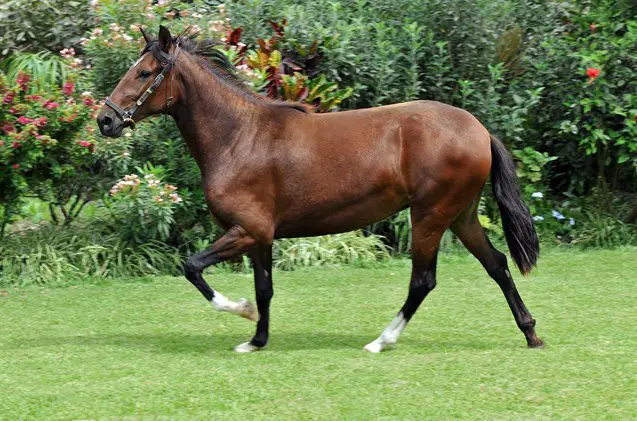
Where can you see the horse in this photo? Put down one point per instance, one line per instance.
(272, 169)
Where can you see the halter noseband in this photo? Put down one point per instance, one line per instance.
(127, 115)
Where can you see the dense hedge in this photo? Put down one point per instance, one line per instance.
(556, 80)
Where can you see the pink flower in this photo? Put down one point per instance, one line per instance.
(15, 145)
(8, 98)
(68, 88)
(33, 98)
(592, 27)
(15, 166)
(12, 110)
(84, 143)
(8, 128)
(51, 105)
(1, 142)
(23, 80)
(40, 122)
(24, 120)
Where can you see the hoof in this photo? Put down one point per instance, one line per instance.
(374, 347)
(248, 310)
(536, 343)
(246, 347)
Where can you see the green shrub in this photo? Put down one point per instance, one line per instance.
(346, 248)
(597, 229)
(42, 25)
(52, 255)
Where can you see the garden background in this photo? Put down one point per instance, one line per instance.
(556, 80)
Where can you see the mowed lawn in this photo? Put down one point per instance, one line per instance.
(155, 349)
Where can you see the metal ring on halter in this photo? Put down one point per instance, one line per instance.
(127, 115)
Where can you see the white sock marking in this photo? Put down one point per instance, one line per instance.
(246, 347)
(243, 307)
(389, 336)
(222, 303)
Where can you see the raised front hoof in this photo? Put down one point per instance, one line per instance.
(248, 310)
(246, 347)
(536, 343)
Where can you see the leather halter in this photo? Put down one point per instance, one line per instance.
(127, 114)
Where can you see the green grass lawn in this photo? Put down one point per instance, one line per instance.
(156, 349)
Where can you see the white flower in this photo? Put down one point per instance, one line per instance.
(537, 195)
(571, 221)
(196, 15)
(538, 218)
(557, 215)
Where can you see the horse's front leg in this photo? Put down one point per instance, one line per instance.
(261, 256)
(234, 242)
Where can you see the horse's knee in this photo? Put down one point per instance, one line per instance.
(192, 267)
(425, 283)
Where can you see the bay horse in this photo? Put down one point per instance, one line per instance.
(272, 170)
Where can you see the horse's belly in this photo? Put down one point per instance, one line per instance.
(341, 217)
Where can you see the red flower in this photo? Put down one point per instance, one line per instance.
(33, 98)
(16, 145)
(23, 80)
(88, 101)
(84, 143)
(40, 122)
(68, 88)
(8, 128)
(8, 98)
(24, 120)
(592, 27)
(15, 166)
(11, 110)
(51, 105)
(592, 72)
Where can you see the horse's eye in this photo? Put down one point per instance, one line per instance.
(144, 74)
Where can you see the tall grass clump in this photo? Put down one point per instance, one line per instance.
(52, 255)
(346, 248)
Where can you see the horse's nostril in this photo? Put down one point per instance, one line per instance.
(107, 121)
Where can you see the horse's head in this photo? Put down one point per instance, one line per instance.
(146, 89)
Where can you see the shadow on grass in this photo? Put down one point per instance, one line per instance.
(188, 343)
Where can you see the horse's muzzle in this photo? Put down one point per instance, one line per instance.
(110, 125)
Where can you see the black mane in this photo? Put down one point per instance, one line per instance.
(213, 59)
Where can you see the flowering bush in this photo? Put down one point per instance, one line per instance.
(43, 139)
(141, 208)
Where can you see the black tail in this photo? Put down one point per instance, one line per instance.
(516, 218)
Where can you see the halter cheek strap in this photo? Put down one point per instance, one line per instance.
(127, 115)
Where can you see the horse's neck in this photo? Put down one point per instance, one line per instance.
(212, 116)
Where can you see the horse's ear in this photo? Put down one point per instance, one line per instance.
(165, 39)
(144, 34)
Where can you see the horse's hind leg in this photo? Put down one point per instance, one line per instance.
(426, 234)
(468, 229)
